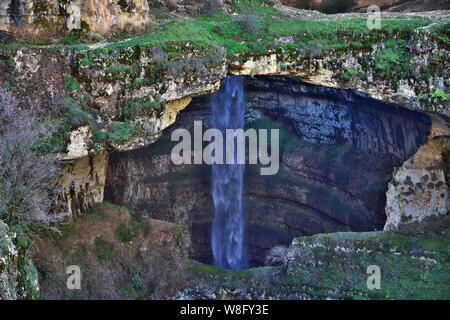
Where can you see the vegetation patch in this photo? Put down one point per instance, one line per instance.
(120, 257)
(334, 266)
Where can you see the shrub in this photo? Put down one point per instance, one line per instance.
(250, 23)
(103, 249)
(158, 54)
(440, 95)
(137, 281)
(72, 84)
(277, 256)
(26, 176)
(125, 233)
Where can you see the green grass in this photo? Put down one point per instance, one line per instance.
(71, 114)
(103, 249)
(264, 26)
(323, 271)
(118, 133)
(405, 275)
(208, 40)
(127, 232)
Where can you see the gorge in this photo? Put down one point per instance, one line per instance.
(364, 154)
(338, 151)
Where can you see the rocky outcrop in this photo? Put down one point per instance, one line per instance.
(419, 5)
(39, 19)
(417, 198)
(361, 75)
(18, 276)
(82, 184)
(335, 266)
(362, 5)
(338, 151)
(346, 258)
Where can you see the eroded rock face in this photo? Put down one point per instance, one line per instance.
(108, 16)
(419, 5)
(418, 197)
(28, 19)
(323, 71)
(338, 151)
(389, 5)
(328, 116)
(82, 184)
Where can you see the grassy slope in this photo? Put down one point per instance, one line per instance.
(120, 257)
(334, 266)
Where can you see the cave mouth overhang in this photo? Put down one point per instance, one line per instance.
(338, 152)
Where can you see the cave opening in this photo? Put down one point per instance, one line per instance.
(338, 151)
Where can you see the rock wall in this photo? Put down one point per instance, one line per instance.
(418, 198)
(82, 184)
(34, 19)
(390, 5)
(419, 5)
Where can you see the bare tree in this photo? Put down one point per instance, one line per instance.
(26, 176)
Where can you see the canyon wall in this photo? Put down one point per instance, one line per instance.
(338, 151)
(123, 94)
(418, 195)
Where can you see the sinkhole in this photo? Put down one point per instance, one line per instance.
(337, 153)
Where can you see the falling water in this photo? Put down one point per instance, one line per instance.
(228, 108)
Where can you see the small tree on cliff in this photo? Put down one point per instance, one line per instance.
(26, 176)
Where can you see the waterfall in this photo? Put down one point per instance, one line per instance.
(228, 109)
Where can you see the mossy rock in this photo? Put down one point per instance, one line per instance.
(18, 275)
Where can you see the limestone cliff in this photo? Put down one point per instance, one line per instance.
(418, 193)
(123, 94)
(46, 19)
